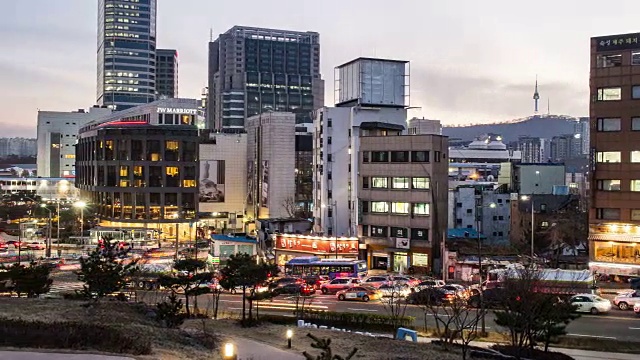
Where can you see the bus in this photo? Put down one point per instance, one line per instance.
(313, 265)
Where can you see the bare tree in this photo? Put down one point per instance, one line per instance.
(395, 306)
(291, 207)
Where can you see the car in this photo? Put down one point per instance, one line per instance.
(492, 298)
(338, 284)
(626, 301)
(636, 309)
(397, 290)
(16, 243)
(375, 281)
(362, 293)
(431, 296)
(408, 280)
(430, 283)
(295, 289)
(590, 303)
(3, 246)
(35, 246)
(284, 281)
(459, 290)
(316, 280)
(248, 290)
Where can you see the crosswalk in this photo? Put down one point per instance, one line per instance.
(65, 286)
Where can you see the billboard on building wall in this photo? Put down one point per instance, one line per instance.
(250, 182)
(264, 178)
(212, 181)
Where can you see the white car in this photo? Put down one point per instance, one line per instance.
(590, 303)
(627, 299)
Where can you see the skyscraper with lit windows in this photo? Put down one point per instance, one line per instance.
(126, 53)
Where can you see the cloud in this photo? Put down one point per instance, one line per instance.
(453, 95)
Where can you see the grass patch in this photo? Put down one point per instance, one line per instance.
(127, 319)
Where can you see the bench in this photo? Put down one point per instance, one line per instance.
(402, 334)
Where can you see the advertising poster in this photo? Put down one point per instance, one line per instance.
(212, 181)
(264, 178)
(250, 182)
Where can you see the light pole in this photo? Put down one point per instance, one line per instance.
(81, 205)
(48, 252)
(530, 198)
(480, 278)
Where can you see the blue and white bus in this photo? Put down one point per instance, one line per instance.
(313, 265)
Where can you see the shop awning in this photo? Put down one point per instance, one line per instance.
(614, 237)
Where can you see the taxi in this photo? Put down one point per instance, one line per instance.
(360, 293)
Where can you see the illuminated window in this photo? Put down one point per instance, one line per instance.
(400, 207)
(379, 207)
(421, 209)
(400, 183)
(421, 183)
(137, 171)
(609, 185)
(124, 171)
(172, 171)
(635, 185)
(188, 183)
(70, 156)
(635, 156)
(608, 157)
(185, 119)
(172, 145)
(379, 182)
(609, 94)
(124, 183)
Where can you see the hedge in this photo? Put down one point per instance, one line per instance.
(71, 335)
(356, 321)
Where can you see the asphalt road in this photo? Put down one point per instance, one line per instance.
(616, 325)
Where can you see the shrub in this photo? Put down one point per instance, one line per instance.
(170, 312)
(71, 335)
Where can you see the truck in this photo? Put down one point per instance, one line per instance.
(147, 277)
(550, 281)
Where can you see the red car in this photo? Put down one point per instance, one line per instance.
(16, 243)
(3, 246)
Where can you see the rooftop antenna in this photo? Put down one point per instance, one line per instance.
(211, 35)
(548, 107)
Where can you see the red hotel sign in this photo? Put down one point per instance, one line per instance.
(316, 244)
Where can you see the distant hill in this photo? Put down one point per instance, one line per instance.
(544, 126)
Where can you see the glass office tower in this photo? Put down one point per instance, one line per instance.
(126, 53)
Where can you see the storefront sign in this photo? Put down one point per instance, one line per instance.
(163, 110)
(317, 245)
(420, 259)
(402, 243)
(618, 42)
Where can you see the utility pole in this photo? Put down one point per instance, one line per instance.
(480, 290)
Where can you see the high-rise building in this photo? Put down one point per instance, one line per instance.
(614, 216)
(57, 137)
(17, 146)
(566, 146)
(581, 131)
(126, 53)
(254, 70)
(167, 73)
(534, 149)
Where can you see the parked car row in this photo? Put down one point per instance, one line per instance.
(32, 245)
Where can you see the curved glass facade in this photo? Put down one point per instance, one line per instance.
(126, 52)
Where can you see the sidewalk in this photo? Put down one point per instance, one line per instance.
(24, 355)
(254, 350)
(575, 353)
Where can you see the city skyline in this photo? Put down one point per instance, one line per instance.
(469, 62)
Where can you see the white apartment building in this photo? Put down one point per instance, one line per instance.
(223, 181)
(57, 136)
(371, 91)
(270, 164)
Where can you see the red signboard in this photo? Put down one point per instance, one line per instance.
(317, 245)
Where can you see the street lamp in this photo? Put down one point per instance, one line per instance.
(530, 198)
(229, 352)
(289, 336)
(81, 205)
(48, 252)
(480, 279)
